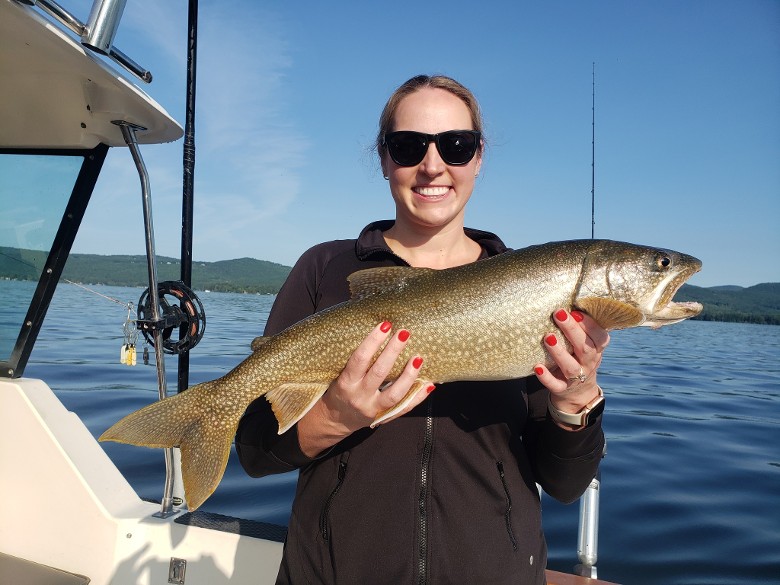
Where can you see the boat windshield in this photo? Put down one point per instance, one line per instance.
(42, 203)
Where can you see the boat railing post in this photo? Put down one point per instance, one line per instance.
(102, 25)
(98, 34)
(588, 538)
(128, 132)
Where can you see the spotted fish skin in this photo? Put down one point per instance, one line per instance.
(480, 321)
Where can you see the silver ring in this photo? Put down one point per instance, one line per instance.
(581, 377)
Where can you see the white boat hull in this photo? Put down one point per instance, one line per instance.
(65, 505)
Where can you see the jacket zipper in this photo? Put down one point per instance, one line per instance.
(508, 513)
(422, 563)
(324, 516)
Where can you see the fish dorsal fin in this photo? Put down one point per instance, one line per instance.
(258, 342)
(611, 314)
(371, 281)
(290, 401)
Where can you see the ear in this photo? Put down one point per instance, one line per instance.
(479, 160)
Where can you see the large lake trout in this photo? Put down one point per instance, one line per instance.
(480, 321)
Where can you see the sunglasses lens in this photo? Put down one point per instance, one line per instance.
(407, 148)
(458, 147)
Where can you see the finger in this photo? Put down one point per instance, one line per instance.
(361, 359)
(596, 332)
(379, 372)
(575, 334)
(419, 392)
(394, 392)
(561, 355)
(586, 337)
(569, 368)
(409, 394)
(553, 383)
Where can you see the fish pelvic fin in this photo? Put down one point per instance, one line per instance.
(292, 400)
(194, 422)
(611, 314)
(392, 412)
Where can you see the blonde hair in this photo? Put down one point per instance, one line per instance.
(387, 119)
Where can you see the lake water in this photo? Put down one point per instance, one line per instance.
(690, 489)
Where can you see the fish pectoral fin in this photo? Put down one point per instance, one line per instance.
(386, 415)
(259, 342)
(611, 314)
(371, 281)
(291, 400)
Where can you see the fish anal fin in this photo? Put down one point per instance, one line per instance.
(258, 342)
(292, 400)
(386, 415)
(371, 281)
(610, 313)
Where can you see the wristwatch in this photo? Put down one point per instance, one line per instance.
(584, 418)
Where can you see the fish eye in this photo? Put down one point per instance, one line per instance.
(664, 262)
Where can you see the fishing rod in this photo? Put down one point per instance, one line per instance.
(188, 191)
(593, 158)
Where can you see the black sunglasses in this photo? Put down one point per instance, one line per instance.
(408, 148)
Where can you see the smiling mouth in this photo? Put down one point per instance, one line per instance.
(432, 192)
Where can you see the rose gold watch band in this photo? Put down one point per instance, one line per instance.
(582, 418)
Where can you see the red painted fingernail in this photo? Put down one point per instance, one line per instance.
(578, 317)
(551, 340)
(430, 388)
(403, 335)
(561, 315)
(385, 326)
(417, 363)
(539, 371)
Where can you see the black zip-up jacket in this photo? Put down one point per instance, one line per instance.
(446, 493)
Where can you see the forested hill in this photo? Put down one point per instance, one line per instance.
(241, 275)
(755, 304)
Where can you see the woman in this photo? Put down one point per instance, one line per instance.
(446, 491)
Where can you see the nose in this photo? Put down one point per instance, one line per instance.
(432, 164)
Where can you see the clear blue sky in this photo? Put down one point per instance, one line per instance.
(289, 93)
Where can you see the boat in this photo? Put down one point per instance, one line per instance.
(67, 515)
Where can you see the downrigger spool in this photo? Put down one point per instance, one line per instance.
(180, 309)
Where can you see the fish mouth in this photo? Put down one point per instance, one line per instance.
(665, 311)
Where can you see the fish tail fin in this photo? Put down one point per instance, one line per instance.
(191, 421)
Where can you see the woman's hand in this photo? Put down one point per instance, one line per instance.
(358, 395)
(572, 384)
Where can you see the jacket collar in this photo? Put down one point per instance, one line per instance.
(371, 244)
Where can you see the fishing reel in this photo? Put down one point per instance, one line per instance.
(183, 312)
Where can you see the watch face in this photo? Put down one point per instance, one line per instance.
(595, 412)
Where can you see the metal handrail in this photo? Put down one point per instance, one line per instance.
(129, 134)
(588, 538)
(82, 30)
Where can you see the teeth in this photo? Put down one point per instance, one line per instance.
(432, 191)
